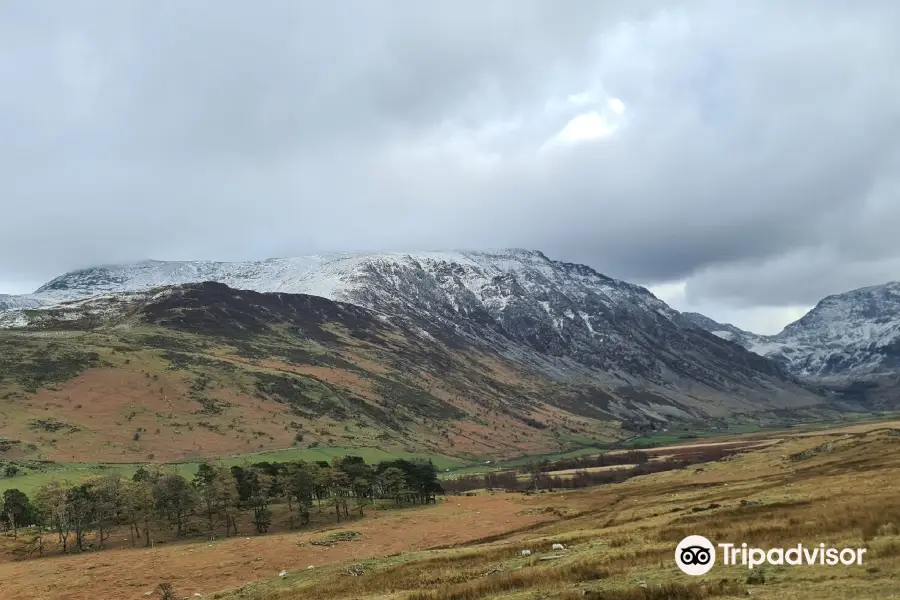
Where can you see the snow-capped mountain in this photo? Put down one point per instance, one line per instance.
(845, 336)
(726, 331)
(566, 321)
(10, 302)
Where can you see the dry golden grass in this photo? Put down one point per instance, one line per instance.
(620, 539)
(837, 489)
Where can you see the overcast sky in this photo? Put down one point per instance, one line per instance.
(740, 158)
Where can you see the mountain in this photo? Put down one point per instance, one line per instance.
(852, 334)
(10, 302)
(845, 336)
(726, 331)
(848, 343)
(545, 340)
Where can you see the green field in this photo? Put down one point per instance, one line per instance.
(34, 478)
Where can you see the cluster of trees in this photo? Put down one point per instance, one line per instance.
(82, 516)
(540, 479)
(633, 457)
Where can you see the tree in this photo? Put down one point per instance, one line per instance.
(218, 496)
(108, 493)
(339, 489)
(17, 509)
(392, 482)
(53, 512)
(424, 481)
(205, 482)
(80, 507)
(299, 485)
(141, 474)
(261, 486)
(175, 499)
(321, 476)
(360, 478)
(139, 508)
(421, 477)
(230, 501)
(242, 481)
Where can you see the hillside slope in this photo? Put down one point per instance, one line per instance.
(507, 335)
(848, 343)
(203, 370)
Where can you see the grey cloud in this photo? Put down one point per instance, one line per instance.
(757, 138)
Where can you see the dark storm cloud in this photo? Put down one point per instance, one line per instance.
(757, 157)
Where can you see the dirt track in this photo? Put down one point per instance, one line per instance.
(207, 567)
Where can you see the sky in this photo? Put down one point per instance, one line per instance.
(741, 159)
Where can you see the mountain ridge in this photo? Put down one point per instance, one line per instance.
(832, 340)
(848, 337)
(614, 341)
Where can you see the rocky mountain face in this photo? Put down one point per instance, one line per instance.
(848, 335)
(624, 352)
(848, 342)
(725, 331)
(10, 302)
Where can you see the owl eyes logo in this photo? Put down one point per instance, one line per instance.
(695, 555)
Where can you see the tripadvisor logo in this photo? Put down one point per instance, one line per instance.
(696, 555)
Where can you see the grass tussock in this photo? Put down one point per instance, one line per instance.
(526, 578)
(667, 591)
(884, 548)
(445, 569)
(867, 516)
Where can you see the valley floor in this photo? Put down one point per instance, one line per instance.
(836, 487)
(205, 567)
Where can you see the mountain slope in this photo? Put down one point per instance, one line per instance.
(558, 339)
(11, 302)
(726, 331)
(849, 336)
(570, 315)
(201, 370)
(852, 334)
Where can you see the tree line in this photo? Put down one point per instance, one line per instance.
(159, 500)
(632, 457)
(541, 479)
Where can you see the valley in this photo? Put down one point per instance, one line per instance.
(553, 404)
(618, 538)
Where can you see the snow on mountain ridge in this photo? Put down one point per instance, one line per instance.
(341, 277)
(853, 334)
(563, 320)
(12, 302)
(288, 275)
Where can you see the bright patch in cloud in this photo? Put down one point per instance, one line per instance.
(589, 125)
(585, 127)
(616, 105)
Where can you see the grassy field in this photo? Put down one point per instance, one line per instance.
(677, 438)
(836, 487)
(620, 539)
(34, 478)
(457, 466)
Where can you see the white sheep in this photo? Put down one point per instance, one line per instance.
(557, 547)
(526, 552)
